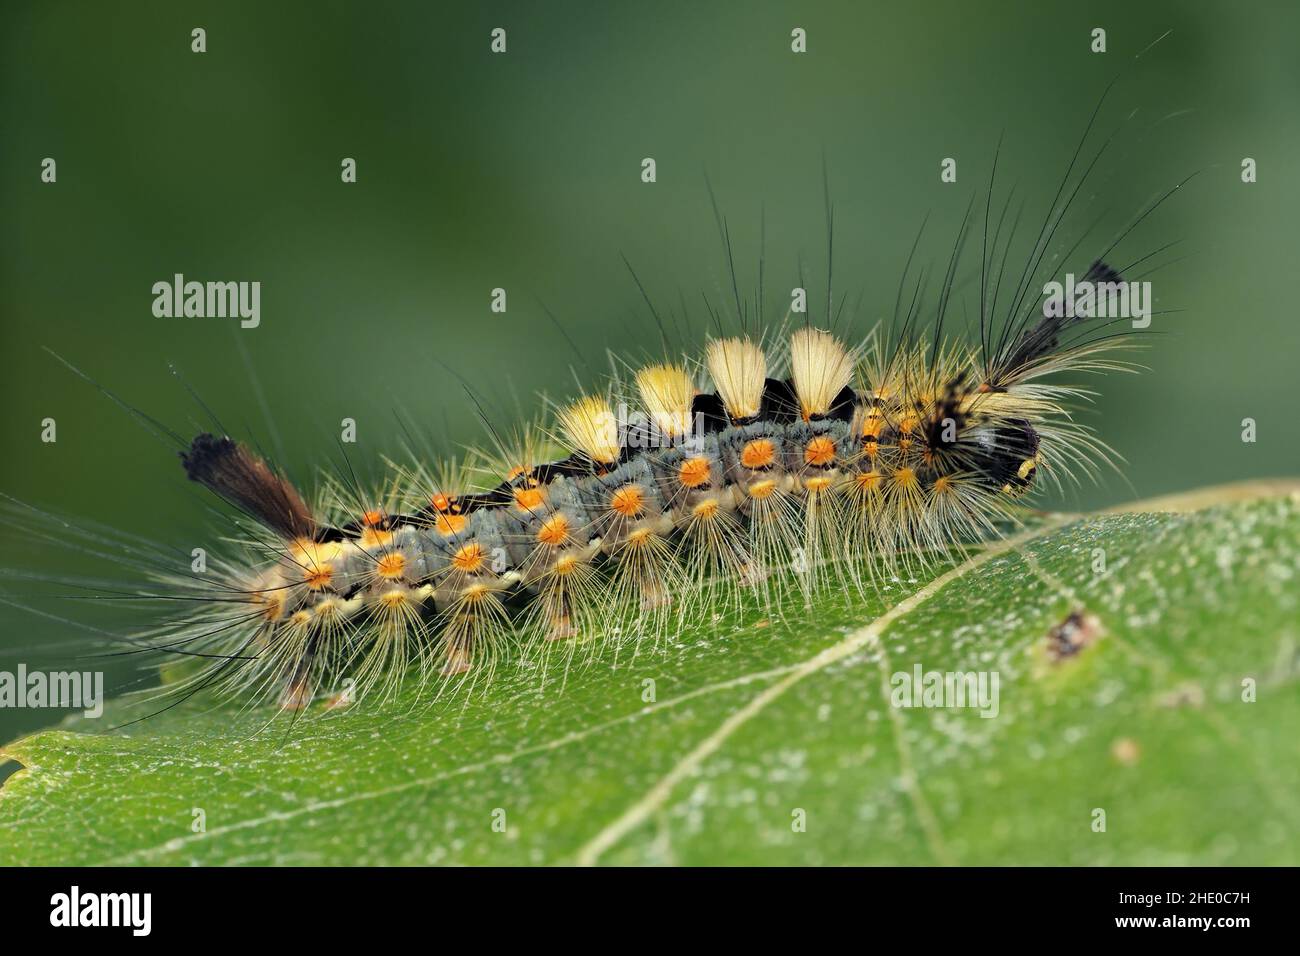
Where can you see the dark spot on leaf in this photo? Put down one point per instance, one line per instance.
(1077, 631)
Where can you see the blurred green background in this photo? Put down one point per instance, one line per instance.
(522, 171)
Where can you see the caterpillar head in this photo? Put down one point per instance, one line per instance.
(1011, 451)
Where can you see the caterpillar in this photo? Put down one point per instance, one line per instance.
(805, 458)
(788, 459)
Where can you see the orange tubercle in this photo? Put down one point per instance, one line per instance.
(391, 565)
(759, 453)
(468, 559)
(449, 525)
(554, 531)
(628, 501)
(318, 577)
(528, 499)
(819, 451)
(694, 472)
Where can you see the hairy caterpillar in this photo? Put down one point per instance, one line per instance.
(841, 461)
(795, 457)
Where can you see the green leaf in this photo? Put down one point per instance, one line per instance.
(759, 722)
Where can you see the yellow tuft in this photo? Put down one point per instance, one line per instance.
(667, 392)
(739, 371)
(590, 427)
(820, 368)
(307, 553)
(373, 538)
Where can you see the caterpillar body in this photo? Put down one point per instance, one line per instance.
(815, 464)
